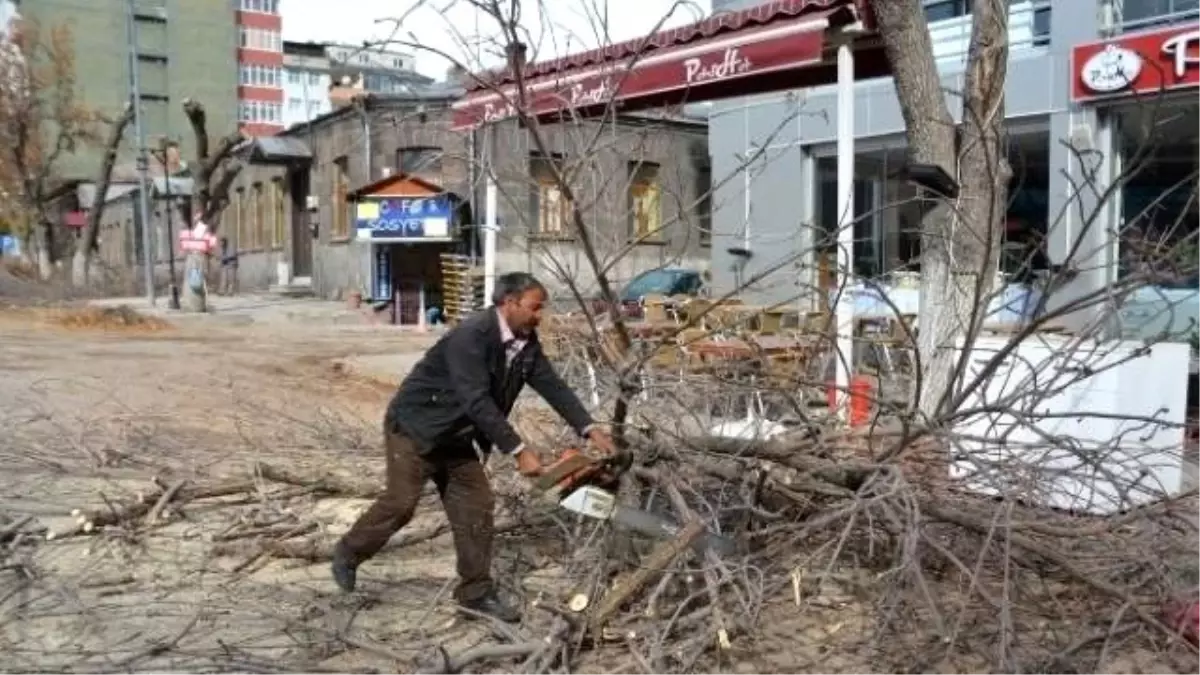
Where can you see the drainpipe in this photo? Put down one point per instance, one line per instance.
(361, 104)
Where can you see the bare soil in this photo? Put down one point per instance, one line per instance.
(101, 413)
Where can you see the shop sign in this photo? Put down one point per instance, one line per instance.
(404, 218)
(1140, 63)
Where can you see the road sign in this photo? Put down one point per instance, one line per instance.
(191, 241)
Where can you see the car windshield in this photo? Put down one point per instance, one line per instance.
(655, 281)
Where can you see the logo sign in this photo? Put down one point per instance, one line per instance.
(1111, 70)
(731, 63)
(1184, 51)
(404, 218)
(1138, 63)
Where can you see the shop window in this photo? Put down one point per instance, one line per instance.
(704, 188)
(552, 209)
(645, 202)
(341, 206)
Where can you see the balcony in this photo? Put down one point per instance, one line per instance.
(950, 26)
(1136, 15)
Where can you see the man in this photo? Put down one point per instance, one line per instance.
(456, 398)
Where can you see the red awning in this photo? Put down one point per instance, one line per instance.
(773, 46)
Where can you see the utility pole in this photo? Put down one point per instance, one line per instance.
(143, 163)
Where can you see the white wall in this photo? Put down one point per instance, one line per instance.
(305, 94)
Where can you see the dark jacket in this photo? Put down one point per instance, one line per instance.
(461, 390)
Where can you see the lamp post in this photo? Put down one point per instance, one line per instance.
(165, 158)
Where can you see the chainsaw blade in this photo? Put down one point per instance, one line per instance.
(659, 527)
(593, 502)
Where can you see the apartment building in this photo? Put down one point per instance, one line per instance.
(356, 71)
(319, 77)
(183, 49)
(306, 82)
(260, 66)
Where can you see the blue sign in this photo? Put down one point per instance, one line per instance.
(405, 217)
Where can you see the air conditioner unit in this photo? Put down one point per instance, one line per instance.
(311, 203)
(386, 171)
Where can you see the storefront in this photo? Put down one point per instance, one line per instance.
(408, 224)
(1143, 87)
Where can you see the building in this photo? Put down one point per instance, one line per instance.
(1063, 90)
(355, 71)
(306, 82)
(183, 49)
(260, 66)
(293, 219)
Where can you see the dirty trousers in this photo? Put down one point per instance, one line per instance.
(466, 496)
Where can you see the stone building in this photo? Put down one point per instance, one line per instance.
(640, 182)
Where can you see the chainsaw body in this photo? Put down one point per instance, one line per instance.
(587, 486)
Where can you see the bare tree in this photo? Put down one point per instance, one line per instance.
(213, 172)
(41, 121)
(960, 236)
(81, 265)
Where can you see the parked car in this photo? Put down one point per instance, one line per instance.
(667, 281)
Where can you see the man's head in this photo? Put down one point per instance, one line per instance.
(519, 297)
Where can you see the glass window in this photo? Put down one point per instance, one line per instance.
(941, 10)
(1041, 25)
(314, 78)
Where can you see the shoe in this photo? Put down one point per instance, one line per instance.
(345, 570)
(491, 605)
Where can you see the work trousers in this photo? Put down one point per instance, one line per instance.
(466, 496)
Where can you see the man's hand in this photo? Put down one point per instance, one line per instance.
(602, 441)
(528, 463)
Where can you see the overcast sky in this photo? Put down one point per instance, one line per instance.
(569, 25)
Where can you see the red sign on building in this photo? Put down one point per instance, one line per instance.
(773, 46)
(1139, 63)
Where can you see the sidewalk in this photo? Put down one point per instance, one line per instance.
(249, 308)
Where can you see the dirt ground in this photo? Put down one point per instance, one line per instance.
(101, 411)
(91, 417)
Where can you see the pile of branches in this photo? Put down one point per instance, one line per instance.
(949, 579)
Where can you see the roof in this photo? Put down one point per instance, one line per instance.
(398, 185)
(278, 148)
(433, 93)
(314, 49)
(724, 22)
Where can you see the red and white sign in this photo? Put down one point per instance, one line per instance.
(1140, 63)
(689, 72)
(197, 240)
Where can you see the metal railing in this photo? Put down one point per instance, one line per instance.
(1028, 26)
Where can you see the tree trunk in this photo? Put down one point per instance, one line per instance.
(45, 251)
(81, 264)
(194, 294)
(960, 236)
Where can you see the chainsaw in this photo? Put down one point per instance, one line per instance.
(587, 486)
